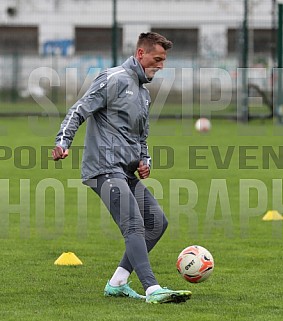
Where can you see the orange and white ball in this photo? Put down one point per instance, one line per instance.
(195, 264)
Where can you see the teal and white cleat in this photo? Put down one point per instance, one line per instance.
(165, 295)
(122, 291)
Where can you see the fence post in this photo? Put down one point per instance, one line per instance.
(114, 34)
(279, 100)
(245, 64)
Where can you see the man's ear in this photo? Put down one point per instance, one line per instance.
(140, 53)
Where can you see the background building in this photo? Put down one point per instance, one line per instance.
(203, 27)
(77, 34)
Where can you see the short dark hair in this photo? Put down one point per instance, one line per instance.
(150, 39)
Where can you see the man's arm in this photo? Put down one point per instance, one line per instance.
(93, 100)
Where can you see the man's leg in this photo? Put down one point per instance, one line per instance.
(118, 198)
(155, 222)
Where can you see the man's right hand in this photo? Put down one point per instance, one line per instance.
(59, 153)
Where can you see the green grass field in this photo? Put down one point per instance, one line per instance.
(47, 107)
(213, 196)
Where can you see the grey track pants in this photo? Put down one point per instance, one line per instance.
(139, 218)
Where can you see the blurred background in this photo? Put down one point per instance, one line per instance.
(50, 50)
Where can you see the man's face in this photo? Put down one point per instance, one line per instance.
(151, 61)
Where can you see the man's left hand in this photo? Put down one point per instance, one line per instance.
(143, 170)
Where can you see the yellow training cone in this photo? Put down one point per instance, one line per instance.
(272, 216)
(68, 258)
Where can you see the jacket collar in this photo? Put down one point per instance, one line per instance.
(133, 64)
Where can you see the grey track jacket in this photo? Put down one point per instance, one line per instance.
(116, 107)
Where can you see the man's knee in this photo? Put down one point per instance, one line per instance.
(129, 230)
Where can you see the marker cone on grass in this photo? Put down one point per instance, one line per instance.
(68, 258)
(272, 216)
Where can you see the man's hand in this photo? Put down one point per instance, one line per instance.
(59, 153)
(143, 170)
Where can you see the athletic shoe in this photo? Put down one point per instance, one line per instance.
(122, 291)
(165, 295)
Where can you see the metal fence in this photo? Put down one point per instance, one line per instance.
(203, 79)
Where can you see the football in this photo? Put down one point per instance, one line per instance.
(195, 264)
(203, 125)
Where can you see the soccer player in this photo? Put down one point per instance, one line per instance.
(116, 107)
